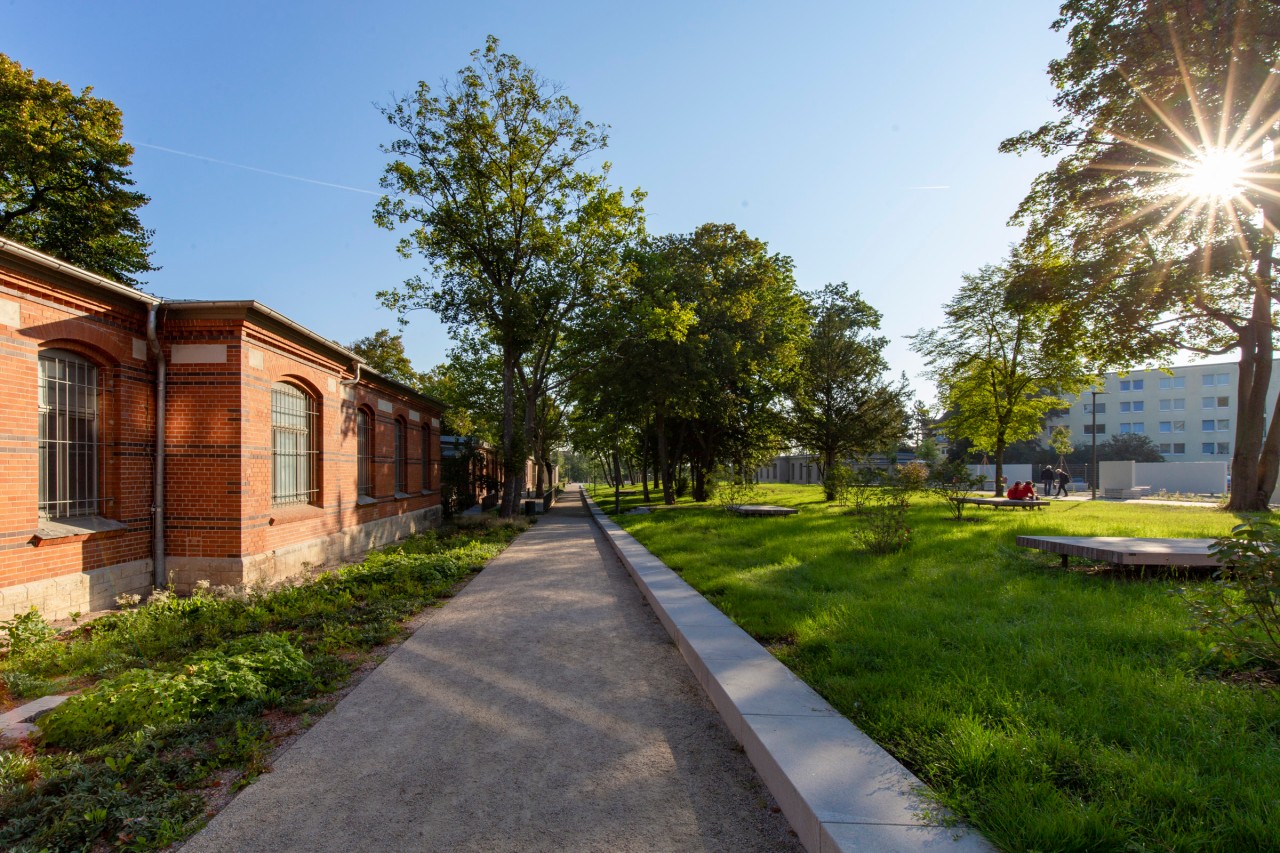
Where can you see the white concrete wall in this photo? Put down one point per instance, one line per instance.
(1188, 477)
(1118, 475)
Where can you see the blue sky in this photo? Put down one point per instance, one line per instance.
(859, 138)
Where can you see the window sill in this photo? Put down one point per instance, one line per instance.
(403, 496)
(365, 500)
(295, 512)
(51, 530)
(428, 492)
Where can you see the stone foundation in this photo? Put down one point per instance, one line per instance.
(81, 592)
(345, 546)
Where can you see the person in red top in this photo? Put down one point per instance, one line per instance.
(1015, 492)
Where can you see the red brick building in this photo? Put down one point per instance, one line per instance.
(278, 449)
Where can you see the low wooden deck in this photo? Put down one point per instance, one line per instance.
(1126, 550)
(762, 509)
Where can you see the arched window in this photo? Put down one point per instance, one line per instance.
(67, 435)
(293, 445)
(402, 462)
(426, 456)
(364, 453)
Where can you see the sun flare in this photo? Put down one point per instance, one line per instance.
(1214, 175)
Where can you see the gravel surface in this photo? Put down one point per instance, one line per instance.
(543, 708)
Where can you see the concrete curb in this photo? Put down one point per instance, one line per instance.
(838, 788)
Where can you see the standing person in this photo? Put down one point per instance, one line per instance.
(1063, 479)
(1046, 479)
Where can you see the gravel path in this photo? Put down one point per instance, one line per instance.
(543, 708)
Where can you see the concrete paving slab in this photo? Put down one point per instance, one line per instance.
(721, 642)
(763, 686)
(542, 709)
(892, 838)
(839, 789)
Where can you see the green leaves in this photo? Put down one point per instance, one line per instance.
(64, 182)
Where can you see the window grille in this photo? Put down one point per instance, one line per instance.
(293, 451)
(67, 436)
(364, 453)
(426, 457)
(402, 466)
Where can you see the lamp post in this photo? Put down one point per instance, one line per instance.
(1093, 430)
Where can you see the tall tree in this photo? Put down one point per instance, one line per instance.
(841, 405)
(1166, 194)
(519, 234)
(998, 374)
(65, 187)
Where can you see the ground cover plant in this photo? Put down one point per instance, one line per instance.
(183, 696)
(1051, 709)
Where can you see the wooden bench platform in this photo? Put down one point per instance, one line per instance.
(1126, 550)
(1013, 504)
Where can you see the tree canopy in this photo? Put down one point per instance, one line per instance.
(492, 176)
(703, 343)
(998, 371)
(841, 405)
(65, 187)
(384, 352)
(1165, 194)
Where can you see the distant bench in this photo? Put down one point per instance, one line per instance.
(1009, 502)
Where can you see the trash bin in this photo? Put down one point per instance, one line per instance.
(530, 507)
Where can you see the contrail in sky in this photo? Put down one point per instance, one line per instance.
(254, 169)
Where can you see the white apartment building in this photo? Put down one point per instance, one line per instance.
(1189, 412)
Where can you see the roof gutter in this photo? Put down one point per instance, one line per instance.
(157, 488)
(49, 262)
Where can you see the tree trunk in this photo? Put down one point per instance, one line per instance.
(999, 454)
(1253, 462)
(664, 464)
(512, 465)
(644, 462)
(829, 465)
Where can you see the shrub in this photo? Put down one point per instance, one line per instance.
(1242, 608)
(27, 631)
(882, 526)
(250, 668)
(730, 488)
(953, 482)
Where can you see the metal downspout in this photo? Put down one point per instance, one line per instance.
(157, 489)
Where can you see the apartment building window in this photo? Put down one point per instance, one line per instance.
(1174, 449)
(1090, 429)
(1215, 402)
(1131, 384)
(293, 446)
(1221, 448)
(1173, 426)
(1137, 428)
(1175, 404)
(1168, 383)
(1135, 407)
(1098, 409)
(1211, 379)
(1218, 425)
(67, 436)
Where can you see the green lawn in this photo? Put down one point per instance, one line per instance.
(1052, 710)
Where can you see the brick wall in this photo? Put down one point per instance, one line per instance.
(222, 522)
(38, 311)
